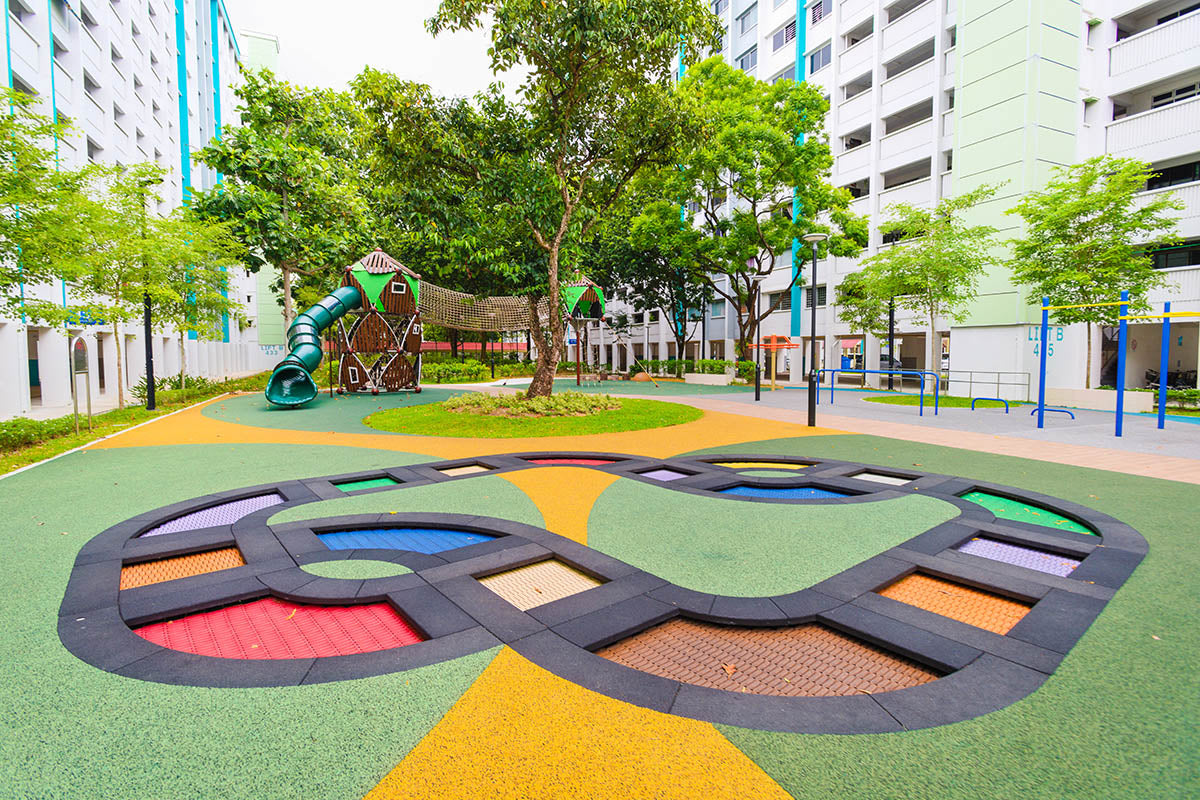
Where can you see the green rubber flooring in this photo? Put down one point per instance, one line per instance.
(337, 414)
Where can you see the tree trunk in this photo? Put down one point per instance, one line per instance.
(549, 342)
(453, 343)
(935, 348)
(182, 360)
(1087, 378)
(120, 371)
(287, 299)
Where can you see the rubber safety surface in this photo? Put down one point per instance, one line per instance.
(418, 540)
(982, 609)
(271, 629)
(537, 584)
(800, 661)
(169, 569)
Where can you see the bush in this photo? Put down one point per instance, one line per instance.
(564, 404)
(745, 370)
(23, 432)
(172, 382)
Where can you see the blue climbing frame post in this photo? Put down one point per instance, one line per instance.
(1042, 362)
(1163, 365)
(1122, 331)
(919, 374)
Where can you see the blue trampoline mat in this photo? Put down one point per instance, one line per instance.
(789, 493)
(418, 540)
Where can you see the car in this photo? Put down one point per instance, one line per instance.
(887, 362)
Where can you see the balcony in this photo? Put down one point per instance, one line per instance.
(854, 163)
(948, 123)
(25, 48)
(916, 193)
(908, 30)
(949, 62)
(1189, 217)
(1158, 134)
(855, 112)
(856, 59)
(852, 9)
(63, 86)
(947, 184)
(1163, 50)
(907, 88)
(906, 144)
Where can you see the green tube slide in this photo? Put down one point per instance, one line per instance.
(291, 382)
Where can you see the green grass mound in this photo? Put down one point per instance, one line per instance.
(513, 416)
(944, 401)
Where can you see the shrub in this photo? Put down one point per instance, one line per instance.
(564, 404)
(745, 370)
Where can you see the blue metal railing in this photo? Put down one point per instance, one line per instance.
(917, 373)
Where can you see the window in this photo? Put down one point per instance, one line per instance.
(784, 35)
(808, 297)
(1174, 176)
(1185, 255)
(1176, 96)
(821, 9)
(23, 87)
(787, 73)
(781, 301)
(400, 286)
(89, 85)
(639, 318)
(820, 58)
(654, 316)
(1179, 13)
(719, 6)
(718, 309)
(748, 20)
(891, 237)
(748, 60)
(718, 198)
(20, 12)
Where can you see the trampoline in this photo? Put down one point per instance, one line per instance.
(783, 492)
(417, 540)
(1020, 556)
(169, 569)
(370, 483)
(1016, 511)
(223, 514)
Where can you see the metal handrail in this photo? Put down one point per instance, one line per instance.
(918, 373)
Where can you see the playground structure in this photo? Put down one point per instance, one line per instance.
(387, 304)
(1123, 318)
(773, 344)
(920, 374)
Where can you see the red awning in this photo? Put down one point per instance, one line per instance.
(850, 344)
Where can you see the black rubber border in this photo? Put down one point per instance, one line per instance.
(443, 598)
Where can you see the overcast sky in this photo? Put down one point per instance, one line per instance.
(328, 43)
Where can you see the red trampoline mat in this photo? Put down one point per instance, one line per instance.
(270, 628)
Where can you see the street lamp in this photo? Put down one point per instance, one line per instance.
(145, 185)
(814, 239)
(756, 282)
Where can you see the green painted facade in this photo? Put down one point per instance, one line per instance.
(1016, 110)
(267, 308)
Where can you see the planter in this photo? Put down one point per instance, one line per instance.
(705, 379)
(1099, 399)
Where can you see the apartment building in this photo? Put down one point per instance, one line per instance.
(139, 81)
(933, 97)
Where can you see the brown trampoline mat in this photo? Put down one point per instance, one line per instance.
(169, 569)
(972, 606)
(799, 661)
(540, 583)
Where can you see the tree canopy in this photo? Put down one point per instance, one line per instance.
(595, 109)
(747, 176)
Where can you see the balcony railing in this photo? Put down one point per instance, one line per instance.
(904, 143)
(902, 33)
(1177, 37)
(24, 46)
(1157, 134)
(917, 193)
(852, 8)
(1189, 217)
(856, 59)
(907, 88)
(854, 161)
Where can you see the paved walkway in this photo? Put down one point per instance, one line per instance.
(1124, 457)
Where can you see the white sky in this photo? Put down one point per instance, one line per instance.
(327, 43)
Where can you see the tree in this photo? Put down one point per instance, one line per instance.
(748, 176)
(862, 304)
(596, 108)
(191, 291)
(1088, 238)
(292, 182)
(38, 207)
(647, 251)
(934, 268)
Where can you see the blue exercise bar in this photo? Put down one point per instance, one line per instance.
(1041, 409)
(1163, 366)
(975, 400)
(1122, 327)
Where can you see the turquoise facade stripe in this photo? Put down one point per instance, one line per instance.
(796, 318)
(214, 30)
(185, 149)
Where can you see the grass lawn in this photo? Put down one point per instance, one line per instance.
(434, 420)
(944, 401)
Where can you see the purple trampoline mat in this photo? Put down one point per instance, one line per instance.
(224, 514)
(1027, 557)
(664, 474)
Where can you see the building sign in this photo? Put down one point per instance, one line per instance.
(79, 356)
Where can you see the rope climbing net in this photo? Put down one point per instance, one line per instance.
(462, 311)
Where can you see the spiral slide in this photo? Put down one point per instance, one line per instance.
(291, 382)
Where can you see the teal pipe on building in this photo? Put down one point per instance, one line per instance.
(291, 383)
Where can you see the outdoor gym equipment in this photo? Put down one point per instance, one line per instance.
(381, 350)
(773, 344)
(1123, 318)
(1070, 414)
(975, 400)
(917, 373)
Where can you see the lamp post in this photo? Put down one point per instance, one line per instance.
(814, 239)
(756, 282)
(146, 183)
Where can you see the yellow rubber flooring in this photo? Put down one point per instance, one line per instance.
(523, 732)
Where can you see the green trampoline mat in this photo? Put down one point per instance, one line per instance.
(1022, 512)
